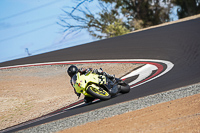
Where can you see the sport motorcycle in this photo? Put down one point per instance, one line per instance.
(98, 86)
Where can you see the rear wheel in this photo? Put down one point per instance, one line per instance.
(125, 88)
(99, 93)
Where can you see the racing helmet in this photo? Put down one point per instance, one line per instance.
(72, 70)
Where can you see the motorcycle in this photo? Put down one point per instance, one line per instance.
(98, 86)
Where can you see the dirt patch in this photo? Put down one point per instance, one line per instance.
(182, 115)
(30, 92)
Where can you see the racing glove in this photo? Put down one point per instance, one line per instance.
(98, 71)
(85, 71)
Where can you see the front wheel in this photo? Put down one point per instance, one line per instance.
(98, 92)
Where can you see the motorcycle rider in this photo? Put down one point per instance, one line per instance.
(72, 70)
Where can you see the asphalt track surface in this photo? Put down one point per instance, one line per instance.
(178, 43)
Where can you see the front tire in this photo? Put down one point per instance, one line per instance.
(98, 93)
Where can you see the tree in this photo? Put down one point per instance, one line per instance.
(187, 7)
(118, 17)
(142, 13)
(98, 25)
(116, 29)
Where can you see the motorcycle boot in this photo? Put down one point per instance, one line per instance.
(114, 90)
(111, 77)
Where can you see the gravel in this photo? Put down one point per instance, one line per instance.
(113, 110)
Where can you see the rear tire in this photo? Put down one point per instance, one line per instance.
(125, 88)
(91, 90)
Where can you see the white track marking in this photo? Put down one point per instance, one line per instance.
(83, 61)
(169, 65)
(143, 73)
(74, 106)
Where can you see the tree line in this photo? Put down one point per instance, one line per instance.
(118, 17)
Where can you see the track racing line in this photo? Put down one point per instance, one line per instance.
(151, 70)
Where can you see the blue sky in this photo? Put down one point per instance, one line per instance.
(32, 24)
